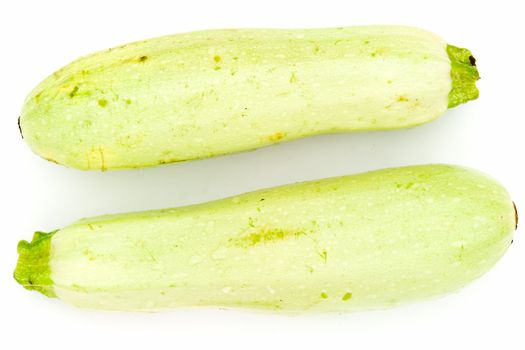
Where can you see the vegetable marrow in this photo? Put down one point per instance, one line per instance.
(349, 243)
(202, 94)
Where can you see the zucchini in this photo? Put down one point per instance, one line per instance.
(202, 94)
(347, 243)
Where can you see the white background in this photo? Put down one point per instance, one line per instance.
(38, 37)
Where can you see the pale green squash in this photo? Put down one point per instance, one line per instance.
(348, 243)
(202, 94)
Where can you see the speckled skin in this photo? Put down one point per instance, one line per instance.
(349, 243)
(202, 94)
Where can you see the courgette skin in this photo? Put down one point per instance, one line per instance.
(349, 243)
(202, 94)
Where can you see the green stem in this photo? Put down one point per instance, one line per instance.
(464, 75)
(32, 270)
